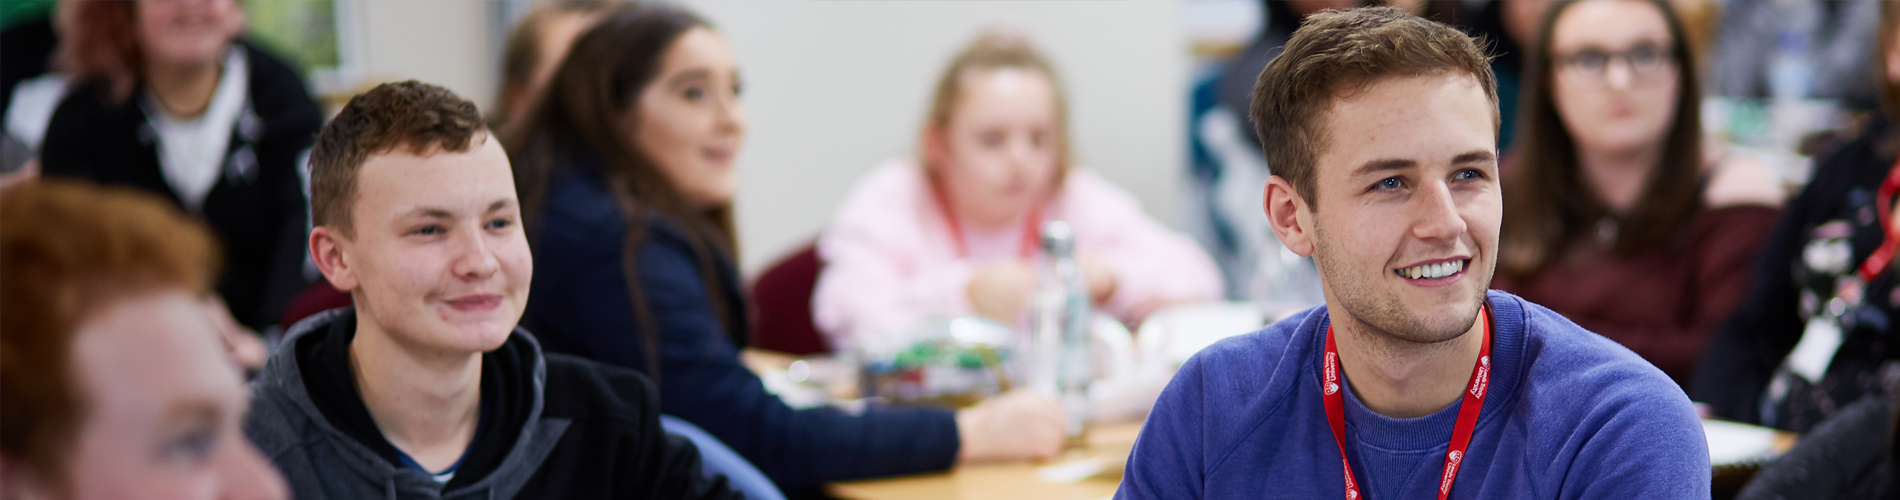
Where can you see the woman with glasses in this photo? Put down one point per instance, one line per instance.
(1614, 214)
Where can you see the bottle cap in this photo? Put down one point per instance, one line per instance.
(1057, 238)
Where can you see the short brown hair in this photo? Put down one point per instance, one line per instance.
(1337, 53)
(419, 117)
(68, 249)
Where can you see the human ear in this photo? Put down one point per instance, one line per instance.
(326, 249)
(1289, 216)
(936, 145)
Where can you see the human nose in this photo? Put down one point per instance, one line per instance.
(730, 117)
(475, 260)
(1619, 74)
(247, 476)
(1435, 214)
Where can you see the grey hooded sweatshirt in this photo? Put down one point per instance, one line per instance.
(552, 427)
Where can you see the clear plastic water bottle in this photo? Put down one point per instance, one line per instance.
(1061, 336)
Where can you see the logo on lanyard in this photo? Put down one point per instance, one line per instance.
(1471, 404)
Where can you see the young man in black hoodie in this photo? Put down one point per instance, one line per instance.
(426, 388)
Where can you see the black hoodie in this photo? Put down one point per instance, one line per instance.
(556, 427)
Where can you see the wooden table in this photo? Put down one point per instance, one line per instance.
(1108, 448)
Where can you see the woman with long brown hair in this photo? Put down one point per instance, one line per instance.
(626, 172)
(1610, 214)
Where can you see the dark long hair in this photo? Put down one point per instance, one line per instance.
(1548, 207)
(579, 120)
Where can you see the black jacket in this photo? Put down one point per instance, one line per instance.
(1742, 358)
(581, 303)
(257, 208)
(554, 427)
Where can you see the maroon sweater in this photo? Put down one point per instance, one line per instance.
(1663, 304)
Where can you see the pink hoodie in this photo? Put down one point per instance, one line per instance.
(891, 261)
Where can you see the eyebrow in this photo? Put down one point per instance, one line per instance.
(1479, 156)
(1390, 164)
(500, 204)
(691, 74)
(430, 212)
(192, 411)
(1383, 165)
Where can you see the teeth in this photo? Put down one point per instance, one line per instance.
(1433, 271)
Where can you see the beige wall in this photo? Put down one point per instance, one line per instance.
(445, 42)
(832, 88)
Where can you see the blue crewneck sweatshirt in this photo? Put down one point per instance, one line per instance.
(1571, 415)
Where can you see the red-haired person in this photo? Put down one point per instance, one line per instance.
(113, 383)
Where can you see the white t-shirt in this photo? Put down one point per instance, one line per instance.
(191, 152)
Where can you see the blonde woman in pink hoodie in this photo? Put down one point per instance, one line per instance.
(955, 234)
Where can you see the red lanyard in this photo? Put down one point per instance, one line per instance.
(1883, 256)
(1032, 233)
(1460, 435)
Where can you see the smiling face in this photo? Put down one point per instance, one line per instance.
(689, 121)
(164, 407)
(1616, 83)
(438, 261)
(187, 32)
(998, 155)
(1406, 225)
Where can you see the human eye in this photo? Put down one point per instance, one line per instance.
(1590, 60)
(738, 89)
(499, 223)
(1645, 55)
(694, 93)
(193, 447)
(1388, 184)
(1468, 174)
(429, 230)
(992, 138)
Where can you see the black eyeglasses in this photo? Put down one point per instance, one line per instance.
(1644, 61)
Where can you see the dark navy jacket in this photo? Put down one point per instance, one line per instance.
(580, 304)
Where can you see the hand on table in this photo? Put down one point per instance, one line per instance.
(1018, 424)
(1000, 290)
(1100, 278)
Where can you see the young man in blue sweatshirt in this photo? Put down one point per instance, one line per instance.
(1413, 381)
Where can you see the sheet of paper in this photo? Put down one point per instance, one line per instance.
(1733, 443)
(1816, 350)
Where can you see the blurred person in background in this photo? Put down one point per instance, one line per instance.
(426, 387)
(1612, 217)
(957, 231)
(1826, 40)
(1819, 281)
(112, 381)
(626, 170)
(29, 86)
(170, 100)
(1229, 175)
(534, 50)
